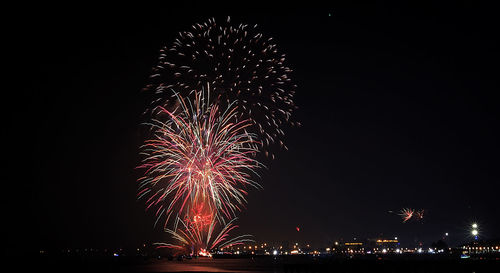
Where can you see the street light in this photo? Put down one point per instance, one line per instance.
(475, 231)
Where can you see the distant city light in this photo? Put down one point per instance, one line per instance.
(275, 252)
(446, 234)
(474, 232)
(474, 225)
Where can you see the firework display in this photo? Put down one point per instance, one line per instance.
(221, 94)
(242, 67)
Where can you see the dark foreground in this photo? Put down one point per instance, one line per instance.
(414, 264)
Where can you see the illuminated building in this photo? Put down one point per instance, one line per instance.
(383, 245)
(481, 247)
(354, 247)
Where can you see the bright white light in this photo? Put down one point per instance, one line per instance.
(474, 225)
(446, 234)
(419, 250)
(275, 252)
(474, 232)
(384, 250)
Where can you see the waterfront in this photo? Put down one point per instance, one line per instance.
(299, 263)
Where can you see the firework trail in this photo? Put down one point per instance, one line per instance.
(193, 239)
(242, 67)
(406, 214)
(198, 163)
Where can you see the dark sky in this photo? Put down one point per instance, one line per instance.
(398, 106)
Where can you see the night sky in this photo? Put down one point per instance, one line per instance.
(398, 108)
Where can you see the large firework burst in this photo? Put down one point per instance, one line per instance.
(198, 163)
(242, 67)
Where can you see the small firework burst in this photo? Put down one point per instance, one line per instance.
(406, 214)
(419, 215)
